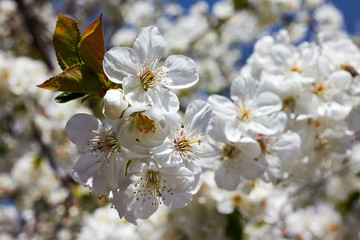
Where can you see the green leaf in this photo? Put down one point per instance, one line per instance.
(66, 39)
(92, 46)
(68, 96)
(128, 165)
(77, 78)
(234, 226)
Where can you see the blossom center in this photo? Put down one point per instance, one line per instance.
(151, 187)
(147, 78)
(188, 146)
(230, 151)
(244, 113)
(289, 102)
(295, 67)
(105, 141)
(144, 124)
(319, 89)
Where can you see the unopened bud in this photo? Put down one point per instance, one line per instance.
(115, 104)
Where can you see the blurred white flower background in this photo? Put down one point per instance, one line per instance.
(230, 119)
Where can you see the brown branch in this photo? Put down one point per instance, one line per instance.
(34, 26)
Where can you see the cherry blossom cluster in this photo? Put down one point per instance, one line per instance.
(287, 118)
(317, 84)
(143, 154)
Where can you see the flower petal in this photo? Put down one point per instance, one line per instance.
(134, 92)
(163, 100)
(243, 88)
(120, 62)
(181, 70)
(78, 130)
(233, 130)
(178, 179)
(250, 148)
(114, 103)
(198, 114)
(222, 105)
(87, 166)
(149, 43)
(250, 169)
(178, 200)
(226, 177)
(268, 103)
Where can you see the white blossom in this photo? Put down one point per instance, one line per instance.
(144, 83)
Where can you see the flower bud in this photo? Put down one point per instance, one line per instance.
(115, 104)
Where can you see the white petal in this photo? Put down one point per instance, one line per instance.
(250, 169)
(281, 54)
(163, 153)
(197, 171)
(233, 130)
(134, 92)
(243, 88)
(163, 100)
(142, 209)
(218, 132)
(149, 43)
(273, 170)
(250, 148)
(120, 62)
(115, 104)
(78, 130)
(136, 108)
(198, 114)
(222, 105)
(265, 125)
(181, 70)
(334, 110)
(267, 103)
(177, 200)
(118, 201)
(178, 179)
(114, 173)
(340, 79)
(87, 166)
(226, 177)
(99, 185)
(125, 133)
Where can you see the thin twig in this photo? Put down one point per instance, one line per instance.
(34, 26)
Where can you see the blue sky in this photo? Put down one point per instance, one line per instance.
(351, 12)
(349, 8)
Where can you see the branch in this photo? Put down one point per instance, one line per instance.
(34, 26)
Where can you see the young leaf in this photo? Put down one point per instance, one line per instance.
(68, 96)
(71, 80)
(66, 39)
(128, 165)
(92, 46)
